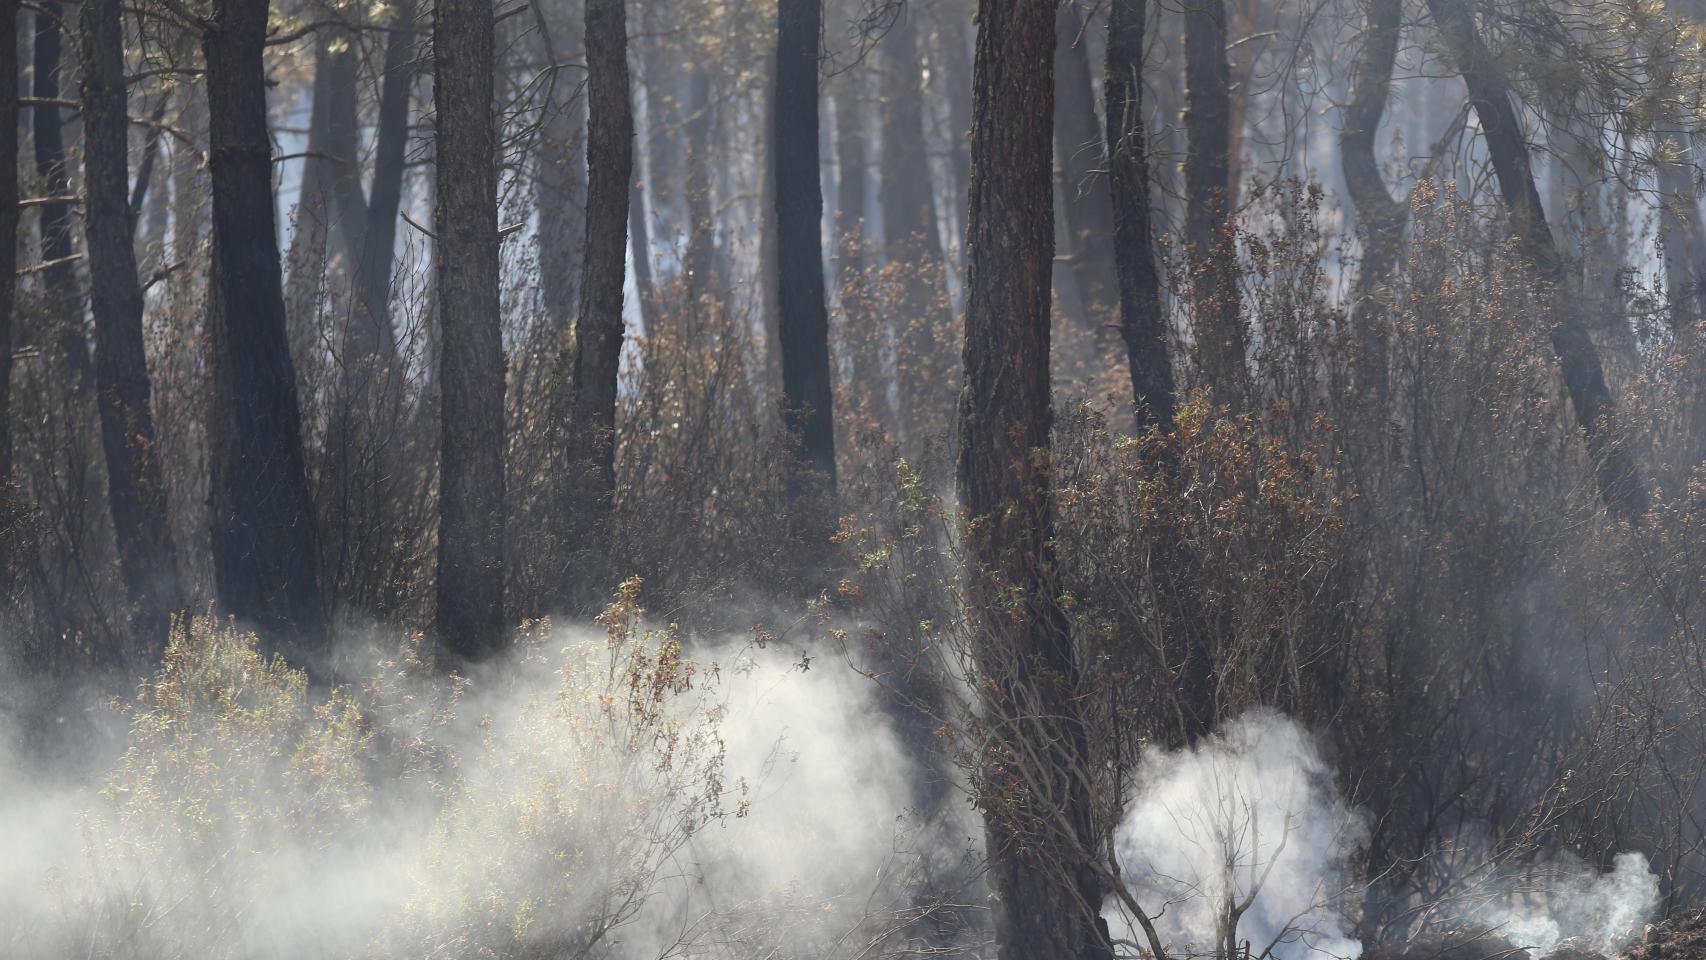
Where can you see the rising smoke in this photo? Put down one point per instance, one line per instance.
(585, 797)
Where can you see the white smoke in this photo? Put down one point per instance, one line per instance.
(1249, 814)
(1566, 899)
(535, 826)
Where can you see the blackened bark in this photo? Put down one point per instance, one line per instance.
(803, 317)
(8, 231)
(641, 244)
(1036, 805)
(1142, 324)
(329, 172)
(471, 360)
(1620, 485)
(595, 352)
(912, 240)
(1679, 228)
(957, 73)
(56, 242)
(147, 558)
(262, 517)
(701, 232)
(1209, 198)
(852, 187)
(1078, 141)
(1380, 219)
(560, 191)
(379, 236)
(1684, 248)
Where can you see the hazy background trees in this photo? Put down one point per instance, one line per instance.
(1134, 366)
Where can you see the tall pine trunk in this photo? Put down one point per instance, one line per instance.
(595, 351)
(470, 617)
(1380, 219)
(912, 239)
(8, 239)
(57, 248)
(375, 340)
(1620, 485)
(262, 518)
(803, 316)
(1036, 805)
(135, 494)
(560, 189)
(1078, 151)
(1142, 323)
(1210, 195)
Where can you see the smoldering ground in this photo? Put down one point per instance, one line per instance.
(611, 792)
(597, 792)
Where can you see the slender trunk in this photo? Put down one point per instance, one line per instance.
(644, 285)
(379, 237)
(595, 351)
(331, 204)
(803, 317)
(147, 557)
(1037, 810)
(1209, 201)
(852, 187)
(1679, 227)
(912, 239)
(262, 516)
(1142, 323)
(471, 360)
(343, 149)
(1620, 485)
(701, 232)
(1380, 219)
(306, 259)
(191, 197)
(958, 82)
(56, 241)
(1078, 138)
(560, 192)
(8, 236)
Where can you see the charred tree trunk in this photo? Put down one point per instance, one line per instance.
(147, 557)
(264, 547)
(1679, 227)
(803, 317)
(306, 259)
(1209, 201)
(1037, 811)
(1620, 485)
(911, 237)
(470, 616)
(868, 387)
(957, 68)
(331, 204)
(645, 287)
(853, 186)
(1078, 141)
(8, 239)
(60, 278)
(379, 236)
(1684, 248)
(560, 191)
(1142, 324)
(701, 232)
(595, 350)
(1380, 219)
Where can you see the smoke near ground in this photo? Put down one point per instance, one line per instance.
(1249, 826)
(1249, 815)
(597, 793)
